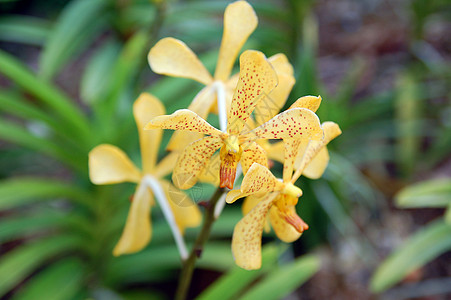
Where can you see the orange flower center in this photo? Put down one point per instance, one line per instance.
(286, 205)
(229, 163)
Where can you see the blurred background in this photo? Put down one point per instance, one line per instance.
(380, 218)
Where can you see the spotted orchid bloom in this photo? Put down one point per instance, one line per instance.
(174, 58)
(109, 165)
(273, 199)
(264, 110)
(276, 150)
(237, 144)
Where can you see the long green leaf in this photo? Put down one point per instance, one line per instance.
(408, 111)
(448, 214)
(21, 191)
(348, 85)
(20, 136)
(18, 227)
(234, 281)
(136, 267)
(76, 25)
(66, 110)
(24, 29)
(20, 107)
(421, 248)
(95, 77)
(285, 280)
(125, 69)
(20, 262)
(60, 281)
(431, 193)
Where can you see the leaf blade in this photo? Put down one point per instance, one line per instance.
(62, 280)
(286, 279)
(430, 193)
(20, 262)
(419, 249)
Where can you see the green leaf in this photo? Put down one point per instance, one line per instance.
(16, 105)
(76, 26)
(285, 280)
(237, 279)
(143, 295)
(136, 267)
(418, 250)
(17, 264)
(431, 193)
(67, 111)
(22, 191)
(24, 29)
(20, 136)
(408, 110)
(95, 77)
(342, 221)
(19, 226)
(348, 85)
(126, 68)
(60, 281)
(448, 214)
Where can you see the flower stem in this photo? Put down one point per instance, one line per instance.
(186, 274)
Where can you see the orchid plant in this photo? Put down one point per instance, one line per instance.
(247, 105)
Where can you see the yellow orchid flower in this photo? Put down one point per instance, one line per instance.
(108, 165)
(275, 151)
(264, 110)
(172, 57)
(274, 199)
(257, 78)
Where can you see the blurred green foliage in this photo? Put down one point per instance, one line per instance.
(57, 230)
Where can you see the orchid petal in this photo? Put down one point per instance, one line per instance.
(252, 201)
(257, 79)
(137, 231)
(309, 102)
(166, 165)
(270, 105)
(284, 231)
(201, 106)
(252, 152)
(316, 167)
(145, 108)
(240, 21)
(281, 64)
(247, 235)
(183, 119)
(294, 123)
(291, 151)
(108, 164)
(275, 151)
(258, 180)
(186, 212)
(331, 131)
(210, 174)
(193, 159)
(229, 86)
(173, 57)
(234, 195)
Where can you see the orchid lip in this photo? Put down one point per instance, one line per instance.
(292, 190)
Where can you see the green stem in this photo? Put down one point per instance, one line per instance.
(186, 274)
